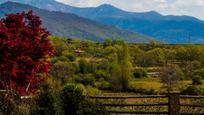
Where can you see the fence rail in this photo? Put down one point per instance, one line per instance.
(173, 104)
(148, 104)
(126, 97)
(136, 112)
(192, 105)
(191, 97)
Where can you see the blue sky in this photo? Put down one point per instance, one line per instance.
(176, 7)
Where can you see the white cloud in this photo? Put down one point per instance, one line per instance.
(166, 7)
(162, 1)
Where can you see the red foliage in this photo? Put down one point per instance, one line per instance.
(24, 52)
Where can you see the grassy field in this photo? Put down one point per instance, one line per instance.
(155, 84)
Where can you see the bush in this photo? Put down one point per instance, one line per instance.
(91, 67)
(103, 85)
(63, 59)
(139, 73)
(192, 90)
(54, 60)
(48, 102)
(199, 72)
(88, 80)
(197, 80)
(73, 96)
(76, 103)
(100, 74)
(9, 102)
(78, 79)
(44, 103)
(63, 71)
(142, 90)
(91, 91)
(171, 75)
(83, 66)
(71, 57)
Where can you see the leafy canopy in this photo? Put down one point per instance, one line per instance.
(25, 49)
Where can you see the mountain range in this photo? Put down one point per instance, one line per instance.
(73, 26)
(169, 28)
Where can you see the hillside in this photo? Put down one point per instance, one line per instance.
(171, 29)
(73, 26)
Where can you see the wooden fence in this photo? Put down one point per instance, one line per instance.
(172, 102)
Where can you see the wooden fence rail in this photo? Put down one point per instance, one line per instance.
(173, 104)
(128, 97)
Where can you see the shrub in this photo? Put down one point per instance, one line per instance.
(48, 102)
(78, 79)
(197, 80)
(171, 75)
(63, 59)
(83, 66)
(88, 80)
(139, 73)
(155, 57)
(91, 67)
(192, 90)
(9, 102)
(103, 85)
(91, 91)
(71, 57)
(44, 103)
(142, 90)
(76, 103)
(63, 71)
(73, 96)
(54, 60)
(199, 72)
(100, 74)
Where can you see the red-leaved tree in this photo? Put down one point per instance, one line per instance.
(24, 52)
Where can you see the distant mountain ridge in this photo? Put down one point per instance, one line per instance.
(171, 29)
(73, 26)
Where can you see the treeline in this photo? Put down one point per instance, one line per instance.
(188, 58)
(104, 66)
(112, 64)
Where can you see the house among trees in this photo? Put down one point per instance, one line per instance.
(79, 52)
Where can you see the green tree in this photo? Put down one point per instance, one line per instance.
(197, 80)
(59, 45)
(121, 70)
(107, 42)
(169, 55)
(156, 56)
(171, 75)
(188, 54)
(63, 71)
(83, 66)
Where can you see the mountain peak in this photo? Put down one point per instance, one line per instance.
(9, 3)
(107, 8)
(106, 5)
(153, 13)
(26, 1)
(13, 3)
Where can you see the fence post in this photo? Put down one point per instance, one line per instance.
(174, 103)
